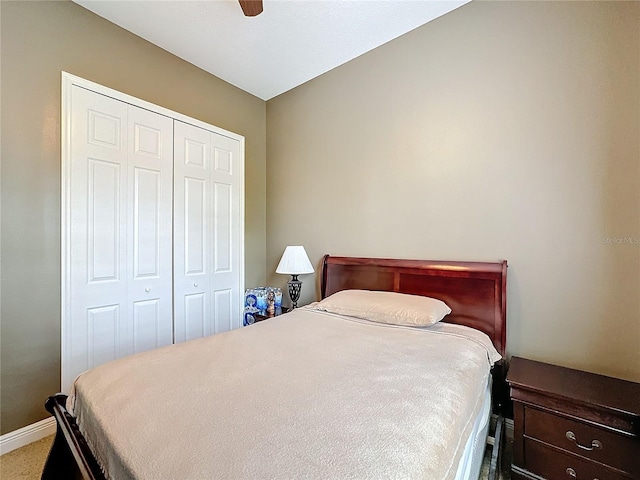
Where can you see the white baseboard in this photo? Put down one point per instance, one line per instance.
(26, 435)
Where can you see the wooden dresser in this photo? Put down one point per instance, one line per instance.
(570, 424)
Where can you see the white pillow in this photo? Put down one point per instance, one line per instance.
(386, 307)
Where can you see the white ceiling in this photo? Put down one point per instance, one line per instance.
(289, 43)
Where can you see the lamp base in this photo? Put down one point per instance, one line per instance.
(295, 286)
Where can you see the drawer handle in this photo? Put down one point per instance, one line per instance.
(572, 473)
(595, 444)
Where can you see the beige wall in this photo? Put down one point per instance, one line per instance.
(501, 130)
(39, 40)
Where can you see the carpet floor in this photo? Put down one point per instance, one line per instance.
(27, 462)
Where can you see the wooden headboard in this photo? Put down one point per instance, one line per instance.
(475, 291)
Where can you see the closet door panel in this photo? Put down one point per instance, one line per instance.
(222, 232)
(149, 325)
(196, 318)
(195, 226)
(103, 334)
(150, 263)
(120, 237)
(224, 308)
(225, 278)
(192, 232)
(103, 217)
(97, 318)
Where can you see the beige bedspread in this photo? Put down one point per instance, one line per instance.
(304, 395)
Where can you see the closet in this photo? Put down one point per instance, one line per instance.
(152, 227)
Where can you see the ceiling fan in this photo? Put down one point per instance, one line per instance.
(251, 8)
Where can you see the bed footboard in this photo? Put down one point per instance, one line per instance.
(70, 456)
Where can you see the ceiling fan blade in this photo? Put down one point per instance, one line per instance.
(251, 8)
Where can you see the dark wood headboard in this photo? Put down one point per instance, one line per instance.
(475, 291)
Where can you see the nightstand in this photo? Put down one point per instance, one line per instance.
(570, 424)
(279, 311)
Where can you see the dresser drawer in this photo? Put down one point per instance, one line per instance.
(554, 465)
(585, 440)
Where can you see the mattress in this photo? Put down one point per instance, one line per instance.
(304, 395)
(471, 461)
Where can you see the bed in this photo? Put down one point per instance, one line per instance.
(313, 393)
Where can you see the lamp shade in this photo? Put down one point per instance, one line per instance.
(295, 261)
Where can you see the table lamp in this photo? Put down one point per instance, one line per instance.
(294, 262)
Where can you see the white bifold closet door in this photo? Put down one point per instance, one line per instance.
(152, 228)
(206, 232)
(120, 248)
